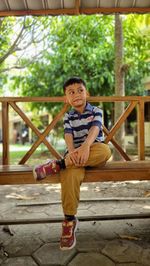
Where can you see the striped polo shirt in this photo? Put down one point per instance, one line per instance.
(79, 124)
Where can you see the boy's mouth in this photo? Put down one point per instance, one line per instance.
(76, 100)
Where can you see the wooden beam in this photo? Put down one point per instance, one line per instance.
(113, 10)
(140, 128)
(90, 99)
(5, 132)
(42, 12)
(112, 171)
(76, 11)
(77, 4)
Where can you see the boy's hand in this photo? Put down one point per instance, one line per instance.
(82, 154)
(73, 157)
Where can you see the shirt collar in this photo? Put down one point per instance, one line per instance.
(88, 107)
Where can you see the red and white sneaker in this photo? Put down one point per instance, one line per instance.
(46, 169)
(68, 239)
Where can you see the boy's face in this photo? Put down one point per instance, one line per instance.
(76, 95)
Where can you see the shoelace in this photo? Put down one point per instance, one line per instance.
(67, 230)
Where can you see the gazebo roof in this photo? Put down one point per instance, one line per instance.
(72, 7)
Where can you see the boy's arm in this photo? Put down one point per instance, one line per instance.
(69, 142)
(84, 150)
(92, 135)
(72, 154)
(68, 134)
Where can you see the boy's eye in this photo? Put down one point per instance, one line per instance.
(71, 92)
(80, 90)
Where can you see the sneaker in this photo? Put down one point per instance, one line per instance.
(68, 239)
(43, 170)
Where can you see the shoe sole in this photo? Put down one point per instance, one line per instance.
(34, 173)
(74, 243)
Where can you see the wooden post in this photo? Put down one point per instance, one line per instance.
(5, 133)
(140, 129)
(77, 6)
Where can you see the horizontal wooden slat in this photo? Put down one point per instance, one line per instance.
(112, 171)
(75, 11)
(14, 168)
(90, 99)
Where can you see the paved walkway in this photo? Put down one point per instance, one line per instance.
(100, 243)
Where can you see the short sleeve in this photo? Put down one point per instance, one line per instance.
(98, 117)
(67, 126)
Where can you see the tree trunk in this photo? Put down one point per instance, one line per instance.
(119, 82)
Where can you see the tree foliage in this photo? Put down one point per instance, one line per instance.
(19, 38)
(77, 46)
(83, 46)
(136, 49)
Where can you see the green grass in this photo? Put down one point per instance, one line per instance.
(40, 155)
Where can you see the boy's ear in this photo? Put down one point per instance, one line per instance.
(65, 99)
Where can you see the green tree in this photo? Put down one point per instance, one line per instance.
(136, 52)
(19, 39)
(77, 46)
(84, 45)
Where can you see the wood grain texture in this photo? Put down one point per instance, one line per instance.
(112, 171)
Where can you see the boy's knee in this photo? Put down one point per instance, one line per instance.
(99, 154)
(106, 151)
(101, 148)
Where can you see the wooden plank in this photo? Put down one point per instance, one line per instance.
(42, 12)
(91, 177)
(75, 11)
(91, 99)
(113, 10)
(112, 171)
(114, 165)
(15, 168)
(5, 133)
(32, 99)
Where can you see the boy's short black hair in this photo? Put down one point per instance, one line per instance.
(73, 80)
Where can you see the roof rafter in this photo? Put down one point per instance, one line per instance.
(74, 11)
(44, 3)
(25, 4)
(7, 4)
(134, 3)
(77, 5)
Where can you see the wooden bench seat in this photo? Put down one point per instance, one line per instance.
(112, 171)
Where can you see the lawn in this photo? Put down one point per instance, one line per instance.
(42, 154)
(17, 152)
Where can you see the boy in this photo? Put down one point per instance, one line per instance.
(84, 140)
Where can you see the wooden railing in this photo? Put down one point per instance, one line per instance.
(133, 102)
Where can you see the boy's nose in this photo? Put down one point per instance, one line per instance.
(76, 92)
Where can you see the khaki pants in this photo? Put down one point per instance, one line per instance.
(72, 177)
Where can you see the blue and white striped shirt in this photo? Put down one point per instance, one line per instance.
(79, 124)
